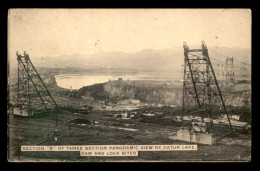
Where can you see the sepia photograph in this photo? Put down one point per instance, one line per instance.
(129, 85)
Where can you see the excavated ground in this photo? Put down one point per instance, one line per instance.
(105, 130)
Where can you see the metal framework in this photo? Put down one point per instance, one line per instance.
(33, 94)
(229, 71)
(201, 92)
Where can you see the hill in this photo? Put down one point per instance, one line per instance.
(160, 63)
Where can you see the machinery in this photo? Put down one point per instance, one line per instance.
(201, 96)
(229, 73)
(33, 95)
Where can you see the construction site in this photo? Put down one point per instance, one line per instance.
(199, 109)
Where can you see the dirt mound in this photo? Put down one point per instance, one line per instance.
(80, 121)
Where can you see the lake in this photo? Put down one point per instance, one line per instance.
(76, 81)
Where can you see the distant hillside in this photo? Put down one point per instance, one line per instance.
(163, 63)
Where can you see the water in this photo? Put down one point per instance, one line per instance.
(76, 81)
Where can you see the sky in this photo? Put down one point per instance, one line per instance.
(55, 32)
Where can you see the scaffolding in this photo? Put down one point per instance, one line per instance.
(33, 95)
(229, 73)
(201, 92)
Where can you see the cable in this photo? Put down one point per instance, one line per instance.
(227, 56)
(221, 61)
(235, 61)
(218, 53)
